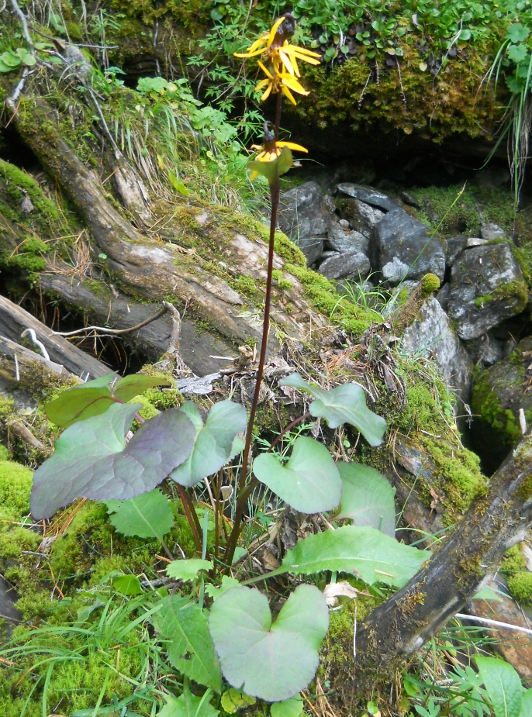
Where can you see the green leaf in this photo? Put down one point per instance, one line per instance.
(309, 482)
(216, 441)
(91, 459)
(188, 705)
(90, 399)
(234, 700)
(187, 569)
(177, 184)
(271, 662)
(288, 708)
(367, 497)
(148, 515)
(136, 383)
(29, 60)
(344, 404)
(517, 53)
(191, 650)
(517, 33)
(127, 585)
(361, 551)
(502, 684)
(274, 169)
(526, 704)
(227, 582)
(487, 593)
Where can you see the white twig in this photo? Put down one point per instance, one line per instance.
(17, 370)
(522, 421)
(24, 24)
(494, 623)
(39, 344)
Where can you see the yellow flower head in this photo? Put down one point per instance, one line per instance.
(271, 150)
(275, 48)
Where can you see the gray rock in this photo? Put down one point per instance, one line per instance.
(475, 241)
(395, 271)
(453, 247)
(432, 336)
(492, 231)
(408, 198)
(343, 266)
(401, 238)
(312, 247)
(443, 296)
(303, 212)
(362, 217)
(342, 239)
(487, 287)
(367, 195)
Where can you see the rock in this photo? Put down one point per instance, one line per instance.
(398, 237)
(431, 335)
(487, 286)
(8, 611)
(351, 264)
(395, 271)
(367, 195)
(311, 247)
(408, 198)
(362, 217)
(492, 231)
(303, 212)
(453, 247)
(475, 241)
(343, 239)
(515, 647)
(498, 394)
(443, 296)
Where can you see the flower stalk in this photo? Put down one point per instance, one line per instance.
(274, 158)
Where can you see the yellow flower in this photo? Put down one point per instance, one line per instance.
(275, 47)
(277, 81)
(270, 150)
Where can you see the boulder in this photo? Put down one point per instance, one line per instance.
(398, 237)
(351, 264)
(431, 335)
(303, 212)
(362, 217)
(492, 231)
(368, 195)
(344, 239)
(487, 287)
(499, 392)
(312, 248)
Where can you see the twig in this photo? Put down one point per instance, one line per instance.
(24, 24)
(115, 332)
(26, 435)
(494, 623)
(33, 336)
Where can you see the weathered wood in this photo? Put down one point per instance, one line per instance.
(464, 562)
(14, 321)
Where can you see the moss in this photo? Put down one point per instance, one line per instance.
(515, 290)
(249, 288)
(282, 283)
(322, 294)
(520, 587)
(15, 489)
(514, 560)
(429, 284)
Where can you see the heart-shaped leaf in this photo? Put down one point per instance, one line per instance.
(288, 708)
(91, 459)
(272, 662)
(187, 569)
(191, 650)
(502, 684)
(148, 515)
(367, 497)
(234, 700)
(95, 397)
(361, 551)
(216, 441)
(309, 482)
(344, 404)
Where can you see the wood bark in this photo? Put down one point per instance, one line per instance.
(461, 566)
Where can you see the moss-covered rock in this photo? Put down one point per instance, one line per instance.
(498, 394)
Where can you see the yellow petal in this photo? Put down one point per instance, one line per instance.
(277, 24)
(288, 94)
(265, 70)
(253, 175)
(296, 50)
(292, 145)
(294, 85)
(286, 62)
(267, 92)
